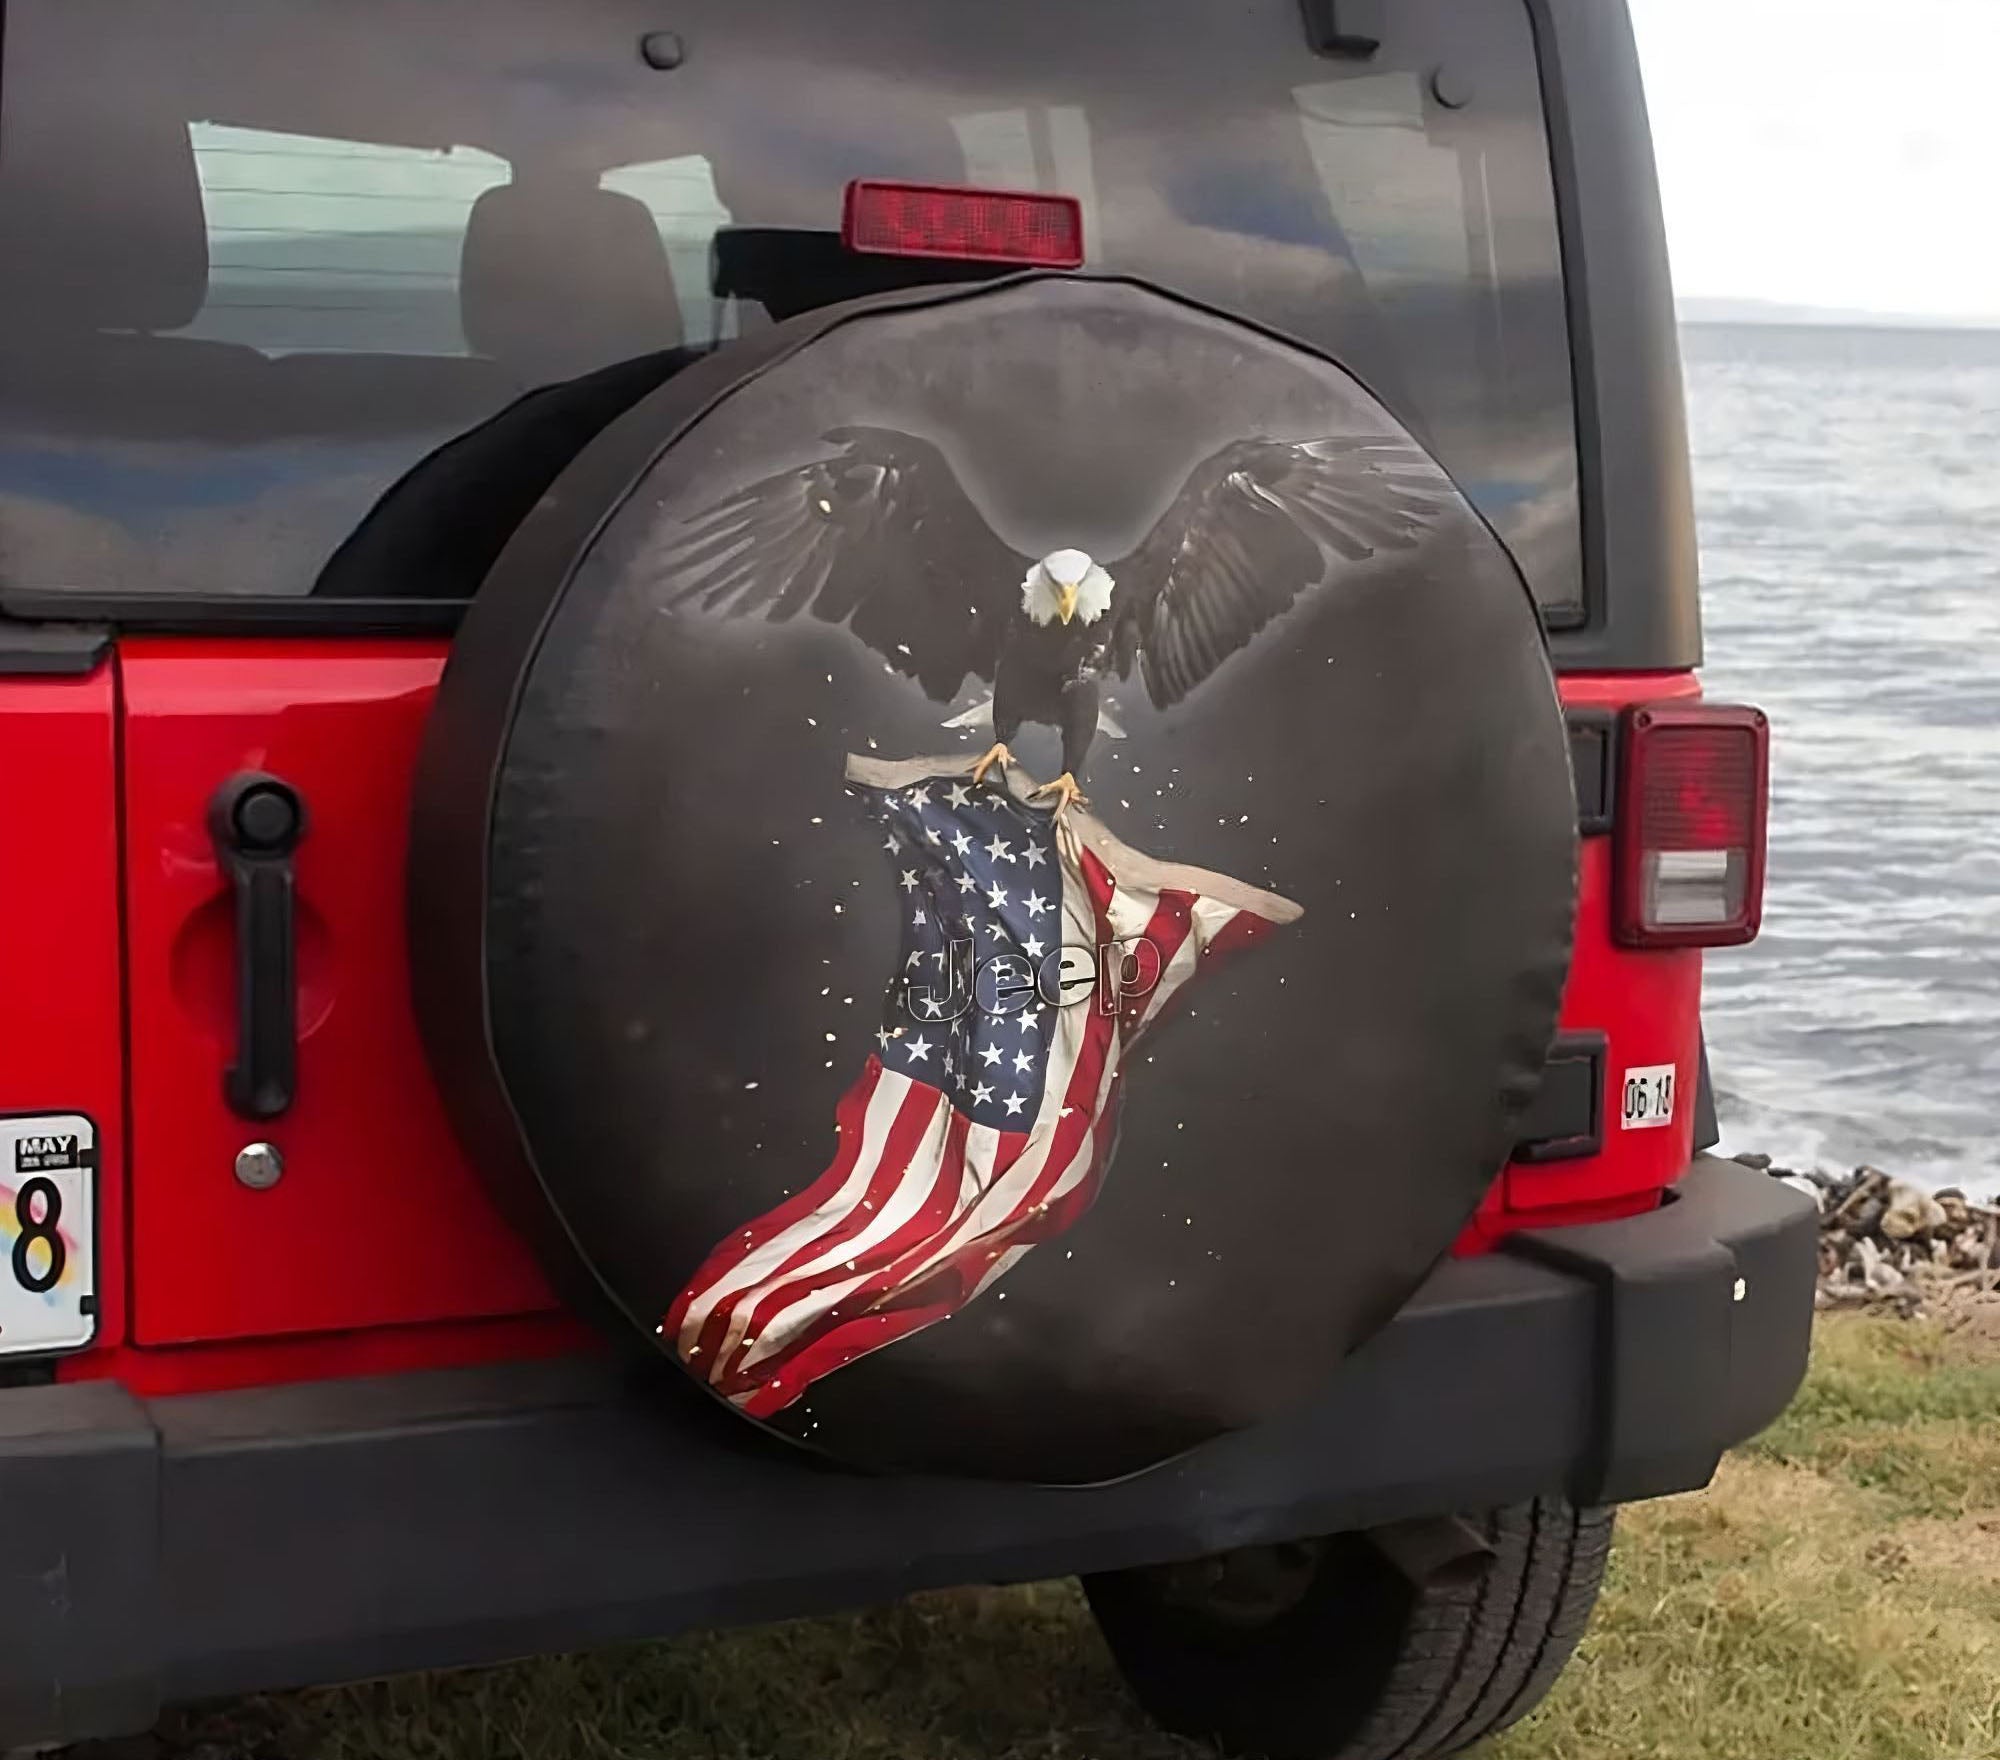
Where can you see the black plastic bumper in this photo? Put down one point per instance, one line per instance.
(164, 1550)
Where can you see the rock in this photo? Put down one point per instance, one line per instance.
(1968, 1250)
(1889, 1244)
(1912, 1213)
(1864, 1188)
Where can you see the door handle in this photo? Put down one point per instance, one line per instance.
(256, 822)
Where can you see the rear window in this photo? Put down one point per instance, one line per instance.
(259, 263)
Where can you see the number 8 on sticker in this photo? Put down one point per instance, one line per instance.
(48, 1174)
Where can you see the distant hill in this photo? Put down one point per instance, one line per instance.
(1765, 311)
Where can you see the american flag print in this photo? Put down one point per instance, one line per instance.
(1036, 952)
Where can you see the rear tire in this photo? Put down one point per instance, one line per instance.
(1326, 1651)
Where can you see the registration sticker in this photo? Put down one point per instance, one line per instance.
(48, 1260)
(1648, 1101)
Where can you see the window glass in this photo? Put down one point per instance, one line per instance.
(321, 245)
(680, 195)
(265, 266)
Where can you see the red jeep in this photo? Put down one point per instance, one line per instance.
(510, 513)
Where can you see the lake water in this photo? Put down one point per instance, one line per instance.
(1848, 489)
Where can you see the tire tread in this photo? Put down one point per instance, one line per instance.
(1475, 1654)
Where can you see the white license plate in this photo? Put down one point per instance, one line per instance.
(48, 1232)
(1647, 1102)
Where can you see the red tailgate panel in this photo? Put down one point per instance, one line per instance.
(1647, 1004)
(377, 1219)
(59, 1030)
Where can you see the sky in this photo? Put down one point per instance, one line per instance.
(1830, 152)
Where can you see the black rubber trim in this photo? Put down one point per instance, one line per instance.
(1593, 762)
(1343, 30)
(1641, 608)
(227, 615)
(1705, 1310)
(1707, 1128)
(52, 650)
(231, 1542)
(80, 1622)
(1567, 1118)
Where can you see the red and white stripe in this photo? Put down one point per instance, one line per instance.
(921, 1209)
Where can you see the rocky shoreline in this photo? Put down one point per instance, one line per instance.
(1891, 1244)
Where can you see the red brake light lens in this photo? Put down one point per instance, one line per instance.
(1694, 782)
(967, 225)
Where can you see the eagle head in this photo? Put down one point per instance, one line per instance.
(1066, 584)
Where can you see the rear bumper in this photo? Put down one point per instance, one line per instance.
(178, 1548)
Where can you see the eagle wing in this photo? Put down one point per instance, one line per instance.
(1254, 527)
(879, 535)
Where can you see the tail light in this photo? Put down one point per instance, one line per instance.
(1693, 784)
(968, 225)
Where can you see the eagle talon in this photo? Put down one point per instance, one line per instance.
(996, 754)
(1068, 794)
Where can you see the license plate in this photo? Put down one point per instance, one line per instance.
(48, 1230)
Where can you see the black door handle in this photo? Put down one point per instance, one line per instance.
(256, 822)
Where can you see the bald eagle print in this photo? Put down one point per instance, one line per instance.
(880, 535)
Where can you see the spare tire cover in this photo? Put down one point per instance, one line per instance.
(922, 1123)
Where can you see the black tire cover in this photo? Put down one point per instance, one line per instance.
(694, 818)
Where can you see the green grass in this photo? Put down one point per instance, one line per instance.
(1911, 1411)
(1834, 1596)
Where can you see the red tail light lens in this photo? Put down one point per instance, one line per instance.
(1694, 780)
(969, 225)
